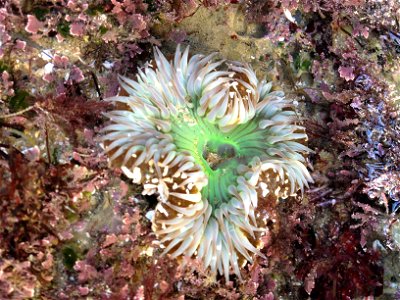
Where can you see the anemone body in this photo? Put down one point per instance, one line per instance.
(212, 144)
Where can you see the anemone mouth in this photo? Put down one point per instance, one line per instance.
(218, 154)
(211, 144)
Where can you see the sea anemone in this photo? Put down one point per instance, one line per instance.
(211, 144)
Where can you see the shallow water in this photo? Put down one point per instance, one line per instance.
(73, 225)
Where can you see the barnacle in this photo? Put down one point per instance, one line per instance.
(211, 143)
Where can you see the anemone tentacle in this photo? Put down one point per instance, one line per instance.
(212, 144)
